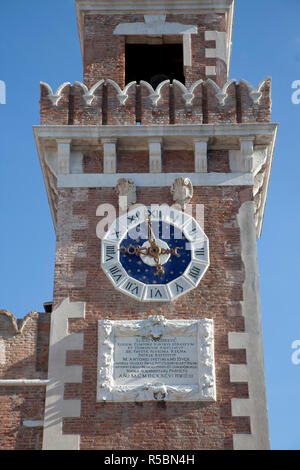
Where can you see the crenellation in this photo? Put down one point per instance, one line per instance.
(54, 108)
(21, 342)
(121, 104)
(105, 103)
(255, 103)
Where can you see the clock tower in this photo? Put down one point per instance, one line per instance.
(156, 167)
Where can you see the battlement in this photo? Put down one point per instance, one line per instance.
(105, 103)
(24, 346)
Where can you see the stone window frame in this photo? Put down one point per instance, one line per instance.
(156, 25)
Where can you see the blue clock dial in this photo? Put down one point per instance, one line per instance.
(168, 236)
(155, 254)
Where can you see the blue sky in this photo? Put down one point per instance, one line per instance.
(39, 42)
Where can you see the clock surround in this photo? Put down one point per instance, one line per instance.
(179, 261)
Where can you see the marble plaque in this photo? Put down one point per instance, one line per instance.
(156, 359)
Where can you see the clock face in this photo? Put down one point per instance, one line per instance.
(155, 254)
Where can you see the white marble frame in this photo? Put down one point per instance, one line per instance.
(156, 327)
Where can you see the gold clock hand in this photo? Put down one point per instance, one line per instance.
(159, 268)
(134, 250)
(171, 251)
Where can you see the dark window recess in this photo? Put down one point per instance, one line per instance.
(154, 63)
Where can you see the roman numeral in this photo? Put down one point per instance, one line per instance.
(116, 234)
(174, 216)
(179, 288)
(116, 273)
(131, 287)
(155, 293)
(155, 213)
(110, 252)
(199, 252)
(132, 218)
(194, 231)
(195, 272)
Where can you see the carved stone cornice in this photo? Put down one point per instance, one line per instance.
(255, 141)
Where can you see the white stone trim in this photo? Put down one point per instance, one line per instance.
(109, 156)
(63, 156)
(254, 157)
(154, 179)
(210, 53)
(122, 94)
(97, 132)
(188, 93)
(154, 95)
(238, 340)
(23, 382)
(255, 93)
(32, 423)
(238, 373)
(76, 162)
(187, 50)
(156, 327)
(2, 353)
(89, 95)
(210, 70)
(247, 150)
(221, 45)
(56, 408)
(154, 5)
(155, 156)
(201, 155)
(155, 27)
(255, 407)
(221, 93)
(55, 97)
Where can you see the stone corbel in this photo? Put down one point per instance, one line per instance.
(182, 191)
(155, 155)
(109, 155)
(201, 155)
(260, 158)
(63, 156)
(126, 191)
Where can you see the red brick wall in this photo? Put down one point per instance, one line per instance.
(104, 52)
(19, 404)
(157, 425)
(26, 346)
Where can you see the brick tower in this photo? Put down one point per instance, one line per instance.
(150, 348)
